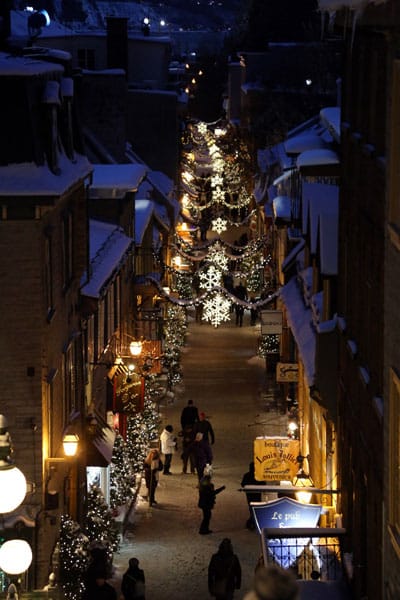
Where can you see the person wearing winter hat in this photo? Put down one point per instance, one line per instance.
(168, 445)
(202, 453)
(204, 426)
(272, 582)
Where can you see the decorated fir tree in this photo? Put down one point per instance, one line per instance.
(73, 556)
(120, 474)
(100, 526)
(142, 428)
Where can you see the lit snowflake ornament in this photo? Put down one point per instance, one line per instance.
(216, 181)
(202, 128)
(218, 195)
(219, 225)
(210, 278)
(216, 255)
(216, 310)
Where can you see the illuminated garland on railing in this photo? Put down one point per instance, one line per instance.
(199, 299)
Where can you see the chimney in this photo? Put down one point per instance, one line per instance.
(117, 43)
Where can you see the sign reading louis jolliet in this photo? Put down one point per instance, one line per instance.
(275, 458)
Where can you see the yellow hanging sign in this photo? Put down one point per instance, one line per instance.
(275, 458)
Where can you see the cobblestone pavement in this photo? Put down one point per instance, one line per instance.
(227, 380)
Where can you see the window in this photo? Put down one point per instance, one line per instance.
(394, 159)
(48, 277)
(394, 459)
(67, 233)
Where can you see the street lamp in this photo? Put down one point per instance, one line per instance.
(70, 444)
(12, 480)
(15, 555)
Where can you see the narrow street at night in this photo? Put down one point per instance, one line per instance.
(227, 380)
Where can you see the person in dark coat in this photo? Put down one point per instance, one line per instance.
(224, 572)
(202, 453)
(250, 479)
(188, 456)
(189, 415)
(240, 293)
(207, 494)
(133, 581)
(152, 467)
(204, 426)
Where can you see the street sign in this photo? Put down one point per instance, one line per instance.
(271, 322)
(287, 372)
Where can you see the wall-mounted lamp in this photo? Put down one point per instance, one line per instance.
(302, 479)
(70, 444)
(135, 348)
(11, 478)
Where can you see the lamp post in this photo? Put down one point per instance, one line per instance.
(15, 555)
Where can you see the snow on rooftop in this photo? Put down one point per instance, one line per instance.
(28, 179)
(25, 66)
(108, 246)
(332, 5)
(330, 117)
(300, 321)
(321, 156)
(304, 141)
(282, 208)
(143, 214)
(114, 181)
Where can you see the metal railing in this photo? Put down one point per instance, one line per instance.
(312, 553)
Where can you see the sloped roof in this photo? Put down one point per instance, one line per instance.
(108, 246)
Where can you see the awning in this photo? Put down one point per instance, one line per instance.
(291, 257)
(99, 451)
(282, 208)
(300, 321)
(285, 175)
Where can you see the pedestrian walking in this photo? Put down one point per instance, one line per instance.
(188, 455)
(272, 582)
(253, 311)
(207, 494)
(224, 572)
(202, 452)
(133, 582)
(240, 293)
(250, 479)
(168, 445)
(152, 467)
(189, 415)
(204, 426)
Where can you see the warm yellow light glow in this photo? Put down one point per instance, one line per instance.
(303, 480)
(193, 80)
(184, 226)
(135, 348)
(13, 488)
(178, 261)
(185, 200)
(15, 557)
(70, 444)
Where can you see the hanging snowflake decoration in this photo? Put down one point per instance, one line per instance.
(216, 310)
(219, 225)
(218, 165)
(202, 128)
(218, 195)
(210, 278)
(216, 181)
(217, 257)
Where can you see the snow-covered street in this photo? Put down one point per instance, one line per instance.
(226, 379)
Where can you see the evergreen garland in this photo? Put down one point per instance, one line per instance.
(120, 474)
(100, 526)
(74, 558)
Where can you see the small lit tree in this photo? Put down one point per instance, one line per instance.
(74, 558)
